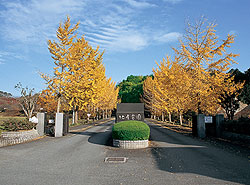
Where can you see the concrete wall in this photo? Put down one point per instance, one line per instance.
(10, 138)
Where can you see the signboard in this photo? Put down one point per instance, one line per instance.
(208, 119)
(51, 121)
(130, 116)
(130, 111)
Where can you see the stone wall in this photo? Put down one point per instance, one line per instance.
(130, 144)
(10, 138)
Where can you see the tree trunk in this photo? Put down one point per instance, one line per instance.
(58, 104)
(106, 114)
(180, 118)
(199, 108)
(169, 117)
(88, 112)
(76, 116)
(97, 114)
(73, 117)
(162, 116)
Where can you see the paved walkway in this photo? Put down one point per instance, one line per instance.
(78, 158)
(90, 125)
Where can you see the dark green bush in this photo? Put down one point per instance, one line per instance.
(17, 124)
(131, 130)
(240, 126)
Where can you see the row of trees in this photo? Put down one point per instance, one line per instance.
(79, 81)
(244, 96)
(231, 101)
(196, 78)
(131, 89)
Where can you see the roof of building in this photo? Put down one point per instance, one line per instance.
(245, 112)
(130, 108)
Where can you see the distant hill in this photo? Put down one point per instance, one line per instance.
(9, 106)
(5, 94)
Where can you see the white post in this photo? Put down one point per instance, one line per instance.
(59, 125)
(41, 123)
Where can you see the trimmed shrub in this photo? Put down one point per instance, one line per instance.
(131, 130)
(17, 124)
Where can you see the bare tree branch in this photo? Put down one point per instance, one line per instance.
(27, 101)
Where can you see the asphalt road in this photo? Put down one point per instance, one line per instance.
(78, 158)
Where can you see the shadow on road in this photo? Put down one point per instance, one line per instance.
(99, 136)
(176, 153)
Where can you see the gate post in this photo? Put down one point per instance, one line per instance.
(59, 125)
(65, 124)
(201, 129)
(219, 121)
(41, 123)
(194, 125)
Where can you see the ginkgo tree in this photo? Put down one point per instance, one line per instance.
(169, 91)
(47, 101)
(107, 99)
(207, 61)
(153, 99)
(79, 75)
(197, 78)
(172, 85)
(84, 76)
(60, 52)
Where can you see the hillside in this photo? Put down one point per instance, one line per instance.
(5, 94)
(9, 105)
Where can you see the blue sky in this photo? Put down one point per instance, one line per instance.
(133, 33)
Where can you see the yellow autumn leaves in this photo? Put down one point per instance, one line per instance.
(196, 78)
(79, 75)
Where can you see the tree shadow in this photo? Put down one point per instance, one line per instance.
(176, 153)
(98, 137)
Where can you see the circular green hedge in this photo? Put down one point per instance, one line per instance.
(131, 130)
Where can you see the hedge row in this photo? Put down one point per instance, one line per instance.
(240, 126)
(17, 124)
(131, 130)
